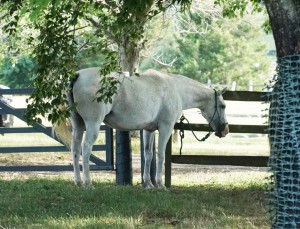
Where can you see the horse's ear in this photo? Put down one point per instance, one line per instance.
(223, 90)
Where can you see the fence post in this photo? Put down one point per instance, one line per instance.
(109, 140)
(233, 86)
(209, 82)
(168, 163)
(251, 85)
(123, 158)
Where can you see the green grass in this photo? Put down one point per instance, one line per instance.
(216, 201)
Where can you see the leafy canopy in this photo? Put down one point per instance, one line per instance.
(56, 31)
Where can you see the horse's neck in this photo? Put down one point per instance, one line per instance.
(194, 94)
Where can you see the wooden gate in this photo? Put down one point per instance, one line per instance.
(98, 164)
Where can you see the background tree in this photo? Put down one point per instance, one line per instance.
(216, 48)
(18, 73)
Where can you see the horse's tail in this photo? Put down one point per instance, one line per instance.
(63, 128)
(63, 131)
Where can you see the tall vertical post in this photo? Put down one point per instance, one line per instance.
(123, 158)
(109, 146)
(168, 163)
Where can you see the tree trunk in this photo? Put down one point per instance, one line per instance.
(128, 61)
(284, 114)
(129, 56)
(284, 18)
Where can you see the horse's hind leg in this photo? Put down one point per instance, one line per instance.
(77, 132)
(76, 151)
(165, 132)
(92, 131)
(148, 155)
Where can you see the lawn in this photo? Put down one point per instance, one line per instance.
(202, 199)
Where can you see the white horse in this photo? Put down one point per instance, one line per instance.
(152, 101)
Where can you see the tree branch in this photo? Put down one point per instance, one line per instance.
(99, 27)
(94, 23)
(158, 59)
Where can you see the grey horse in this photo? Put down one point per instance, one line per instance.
(152, 101)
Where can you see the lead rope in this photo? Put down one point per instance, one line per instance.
(181, 132)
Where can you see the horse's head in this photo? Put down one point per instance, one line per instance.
(214, 113)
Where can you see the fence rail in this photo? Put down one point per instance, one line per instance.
(5, 108)
(237, 160)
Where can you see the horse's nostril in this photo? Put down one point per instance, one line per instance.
(218, 134)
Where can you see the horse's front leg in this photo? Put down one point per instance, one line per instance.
(148, 155)
(165, 132)
(92, 131)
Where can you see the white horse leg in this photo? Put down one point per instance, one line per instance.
(92, 131)
(148, 155)
(165, 132)
(76, 150)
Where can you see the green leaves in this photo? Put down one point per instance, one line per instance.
(37, 6)
(109, 87)
(56, 31)
(17, 74)
(235, 8)
(56, 63)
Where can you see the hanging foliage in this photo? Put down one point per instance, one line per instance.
(54, 31)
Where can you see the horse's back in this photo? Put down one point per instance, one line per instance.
(138, 103)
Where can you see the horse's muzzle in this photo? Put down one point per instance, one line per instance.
(222, 133)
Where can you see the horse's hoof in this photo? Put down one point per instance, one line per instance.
(88, 186)
(148, 185)
(161, 186)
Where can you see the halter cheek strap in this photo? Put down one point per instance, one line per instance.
(216, 111)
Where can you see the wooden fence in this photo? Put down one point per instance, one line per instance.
(256, 161)
(5, 108)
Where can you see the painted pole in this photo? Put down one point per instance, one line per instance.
(123, 158)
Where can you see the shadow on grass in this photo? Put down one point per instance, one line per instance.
(43, 203)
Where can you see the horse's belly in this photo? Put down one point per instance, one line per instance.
(129, 123)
